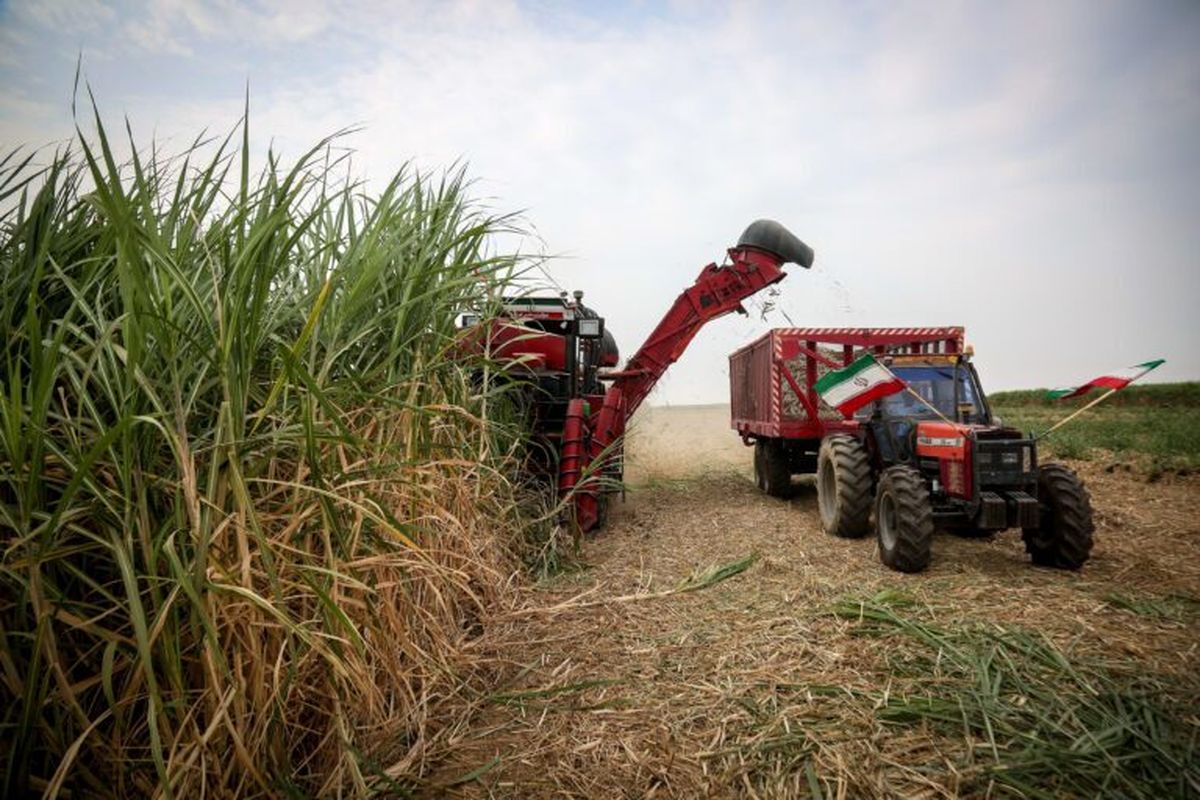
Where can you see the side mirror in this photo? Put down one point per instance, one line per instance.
(590, 328)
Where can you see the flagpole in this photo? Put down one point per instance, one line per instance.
(1077, 412)
(1145, 367)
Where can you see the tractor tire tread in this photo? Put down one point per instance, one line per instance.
(855, 485)
(914, 517)
(1064, 538)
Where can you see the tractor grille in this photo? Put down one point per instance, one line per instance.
(1005, 462)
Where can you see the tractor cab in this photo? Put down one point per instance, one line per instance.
(941, 388)
(947, 383)
(978, 472)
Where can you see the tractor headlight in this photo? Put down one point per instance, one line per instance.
(469, 320)
(954, 477)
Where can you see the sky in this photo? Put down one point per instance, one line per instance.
(1028, 170)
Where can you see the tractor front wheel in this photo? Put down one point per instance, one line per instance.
(771, 470)
(1063, 538)
(903, 519)
(844, 487)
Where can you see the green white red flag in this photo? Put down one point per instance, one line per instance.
(1118, 379)
(852, 387)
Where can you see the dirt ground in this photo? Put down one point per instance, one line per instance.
(677, 442)
(751, 687)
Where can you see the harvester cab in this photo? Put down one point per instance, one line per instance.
(556, 347)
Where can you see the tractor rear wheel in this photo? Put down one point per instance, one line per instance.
(844, 487)
(903, 519)
(771, 469)
(1063, 538)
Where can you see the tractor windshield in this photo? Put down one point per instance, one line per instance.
(936, 385)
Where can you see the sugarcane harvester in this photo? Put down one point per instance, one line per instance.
(579, 405)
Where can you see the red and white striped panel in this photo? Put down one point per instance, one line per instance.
(818, 332)
(776, 381)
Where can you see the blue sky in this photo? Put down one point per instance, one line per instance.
(1029, 170)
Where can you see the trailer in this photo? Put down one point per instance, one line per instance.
(930, 456)
(774, 406)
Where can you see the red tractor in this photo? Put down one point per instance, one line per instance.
(578, 402)
(930, 457)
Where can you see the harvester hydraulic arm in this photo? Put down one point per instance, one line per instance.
(754, 264)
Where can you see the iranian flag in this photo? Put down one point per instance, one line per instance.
(1118, 379)
(850, 388)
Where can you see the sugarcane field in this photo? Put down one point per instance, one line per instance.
(618, 400)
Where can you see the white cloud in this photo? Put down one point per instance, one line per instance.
(64, 16)
(978, 164)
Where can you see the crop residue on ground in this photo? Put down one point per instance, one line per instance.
(818, 672)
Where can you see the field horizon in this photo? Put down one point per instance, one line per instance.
(1175, 392)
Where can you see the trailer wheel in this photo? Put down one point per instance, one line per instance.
(903, 519)
(771, 469)
(760, 479)
(844, 487)
(1063, 538)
